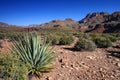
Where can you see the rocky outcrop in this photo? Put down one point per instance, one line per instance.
(101, 17)
(105, 28)
(94, 17)
(4, 27)
(102, 22)
(67, 23)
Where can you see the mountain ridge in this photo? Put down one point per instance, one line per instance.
(100, 22)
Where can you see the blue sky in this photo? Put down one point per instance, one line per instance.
(25, 12)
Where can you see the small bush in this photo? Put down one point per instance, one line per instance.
(112, 38)
(53, 39)
(94, 35)
(66, 40)
(11, 68)
(102, 42)
(35, 55)
(109, 36)
(84, 44)
(2, 35)
(86, 36)
(1, 43)
(117, 35)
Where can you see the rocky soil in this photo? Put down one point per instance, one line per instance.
(77, 65)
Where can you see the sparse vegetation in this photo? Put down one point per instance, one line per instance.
(84, 44)
(34, 54)
(2, 35)
(102, 42)
(53, 39)
(11, 68)
(66, 40)
(109, 36)
(1, 43)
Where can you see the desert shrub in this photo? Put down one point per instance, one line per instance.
(75, 34)
(1, 43)
(102, 42)
(79, 35)
(11, 68)
(111, 37)
(83, 35)
(65, 40)
(84, 44)
(2, 35)
(36, 54)
(94, 35)
(86, 36)
(53, 39)
(117, 35)
(14, 36)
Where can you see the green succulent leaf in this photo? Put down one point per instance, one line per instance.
(35, 54)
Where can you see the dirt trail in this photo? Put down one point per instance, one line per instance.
(71, 45)
(5, 46)
(77, 65)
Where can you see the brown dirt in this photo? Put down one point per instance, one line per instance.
(77, 65)
(5, 46)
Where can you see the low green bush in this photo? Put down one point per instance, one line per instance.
(1, 43)
(2, 36)
(102, 42)
(111, 37)
(84, 44)
(94, 35)
(11, 68)
(86, 36)
(66, 40)
(34, 53)
(53, 39)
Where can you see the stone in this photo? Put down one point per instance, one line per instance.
(63, 60)
(108, 56)
(113, 62)
(118, 64)
(112, 76)
(49, 78)
(90, 57)
(100, 69)
(62, 65)
(72, 65)
(76, 68)
(117, 59)
(60, 60)
(116, 71)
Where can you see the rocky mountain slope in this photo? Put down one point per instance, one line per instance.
(4, 27)
(100, 22)
(66, 24)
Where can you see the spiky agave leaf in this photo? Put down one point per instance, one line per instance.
(33, 52)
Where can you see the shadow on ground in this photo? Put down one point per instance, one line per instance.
(114, 54)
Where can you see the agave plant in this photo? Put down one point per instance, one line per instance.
(34, 53)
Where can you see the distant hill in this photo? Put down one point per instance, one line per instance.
(60, 24)
(100, 22)
(4, 27)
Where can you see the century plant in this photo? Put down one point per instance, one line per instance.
(35, 54)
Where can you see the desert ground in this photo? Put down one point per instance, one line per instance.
(80, 65)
